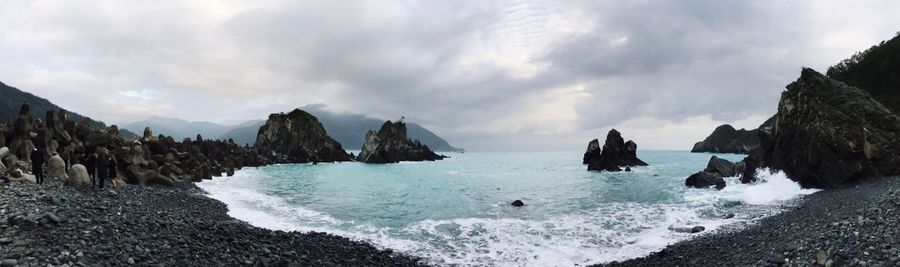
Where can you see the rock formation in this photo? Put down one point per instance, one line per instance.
(616, 153)
(593, 151)
(726, 139)
(705, 180)
(390, 145)
(723, 167)
(78, 177)
(297, 137)
(828, 134)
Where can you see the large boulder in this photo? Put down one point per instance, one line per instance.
(705, 180)
(391, 144)
(828, 134)
(78, 177)
(616, 153)
(56, 168)
(297, 137)
(144, 177)
(722, 166)
(18, 176)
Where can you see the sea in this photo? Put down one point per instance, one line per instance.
(457, 212)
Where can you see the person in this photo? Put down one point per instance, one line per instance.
(112, 172)
(91, 165)
(37, 165)
(102, 170)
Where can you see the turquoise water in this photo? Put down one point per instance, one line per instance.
(457, 212)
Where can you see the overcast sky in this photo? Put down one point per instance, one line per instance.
(486, 75)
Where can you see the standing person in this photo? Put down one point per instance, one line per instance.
(112, 172)
(102, 170)
(37, 165)
(91, 165)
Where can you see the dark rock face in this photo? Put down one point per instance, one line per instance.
(705, 180)
(726, 139)
(722, 166)
(297, 137)
(390, 145)
(593, 151)
(616, 153)
(828, 134)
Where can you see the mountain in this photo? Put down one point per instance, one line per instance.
(244, 133)
(11, 99)
(179, 129)
(348, 129)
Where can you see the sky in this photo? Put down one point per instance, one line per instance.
(486, 75)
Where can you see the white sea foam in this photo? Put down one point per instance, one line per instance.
(615, 231)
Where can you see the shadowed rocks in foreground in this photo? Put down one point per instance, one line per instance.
(828, 134)
(616, 153)
(391, 145)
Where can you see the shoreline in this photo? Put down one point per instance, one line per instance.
(157, 226)
(851, 226)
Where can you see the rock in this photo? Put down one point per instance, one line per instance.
(828, 134)
(3, 151)
(2, 169)
(518, 203)
(144, 177)
(721, 166)
(751, 164)
(697, 229)
(726, 139)
(728, 216)
(56, 168)
(705, 180)
(9, 262)
(391, 144)
(78, 178)
(297, 137)
(593, 151)
(52, 217)
(616, 153)
(627, 169)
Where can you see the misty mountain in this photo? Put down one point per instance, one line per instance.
(11, 99)
(348, 129)
(178, 128)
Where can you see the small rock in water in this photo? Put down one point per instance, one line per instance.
(729, 216)
(697, 229)
(627, 169)
(518, 203)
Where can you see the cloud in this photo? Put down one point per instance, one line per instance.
(498, 75)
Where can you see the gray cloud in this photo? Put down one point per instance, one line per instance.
(475, 72)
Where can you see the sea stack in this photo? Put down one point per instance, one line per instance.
(391, 145)
(616, 153)
(297, 137)
(828, 134)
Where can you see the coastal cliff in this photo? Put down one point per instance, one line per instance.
(391, 145)
(297, 137)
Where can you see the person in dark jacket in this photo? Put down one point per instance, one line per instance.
(112, 172)
(37, 165)
(91, 165)
(102, 170)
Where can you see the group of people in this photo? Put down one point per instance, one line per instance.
(100, 167)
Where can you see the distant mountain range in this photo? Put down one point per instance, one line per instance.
(178, 128)
(348, 129)
(12, 98)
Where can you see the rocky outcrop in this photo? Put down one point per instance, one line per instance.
(593, 151)
(297, 137)
(705, 180)
(390, 145)
(726, 139)
(616, 153)
(828, 134)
